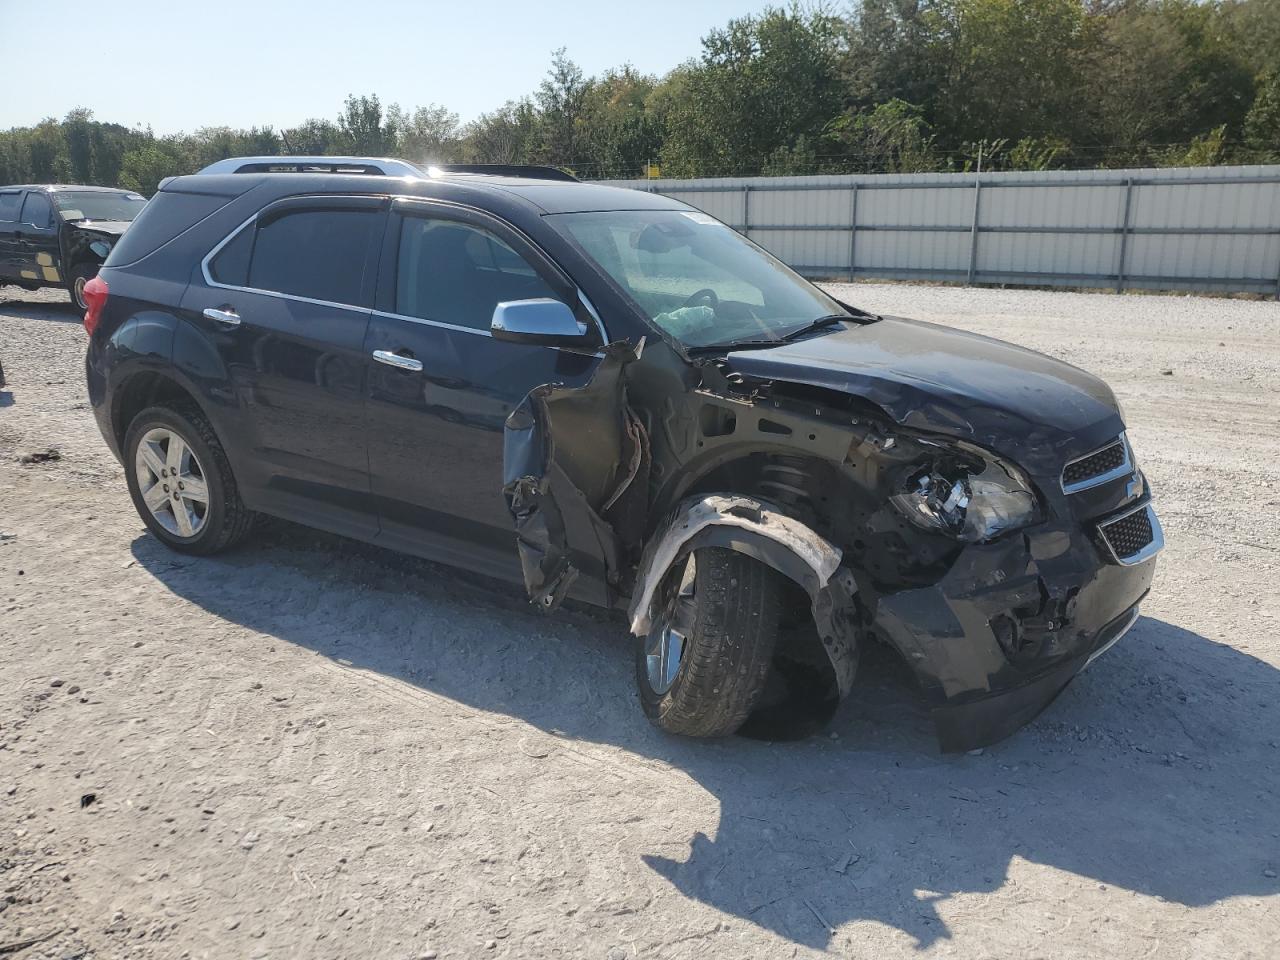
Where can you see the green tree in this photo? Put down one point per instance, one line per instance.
(507, 135)
(429, 134)
(145, 166)
(620, 130)
(364, 129)
(763, 82)
(559, 101)
(892, 138)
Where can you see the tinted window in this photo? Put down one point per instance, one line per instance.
(455, 273)
(319, 254)
(231, 265)
(10, 203)
(166, 215)
(36, 210)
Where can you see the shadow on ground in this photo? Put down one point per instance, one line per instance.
(58, 311)
(1155, 772)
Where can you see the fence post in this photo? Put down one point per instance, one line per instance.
(1278, 274)
(1124, 234)
(853, 231)
(746, 210)
(973, 233)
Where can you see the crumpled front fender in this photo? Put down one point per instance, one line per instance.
(761, 530)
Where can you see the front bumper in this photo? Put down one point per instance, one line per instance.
(994, 641)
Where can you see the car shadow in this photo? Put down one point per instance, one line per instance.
(1155, 772)
(60, 312)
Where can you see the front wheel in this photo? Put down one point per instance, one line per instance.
(81, 274)
(703, 665)
(181, 482)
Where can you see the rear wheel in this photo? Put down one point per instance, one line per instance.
(703, 665)
(81, 274)
(181, 482)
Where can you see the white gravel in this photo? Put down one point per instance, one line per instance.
(311, 748)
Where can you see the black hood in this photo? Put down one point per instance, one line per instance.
(1033, 409)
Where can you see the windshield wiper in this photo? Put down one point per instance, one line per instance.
(810, 327)
(819, 324)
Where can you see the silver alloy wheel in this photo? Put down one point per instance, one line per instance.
(172, 482)
(77, 291)
(665, 645)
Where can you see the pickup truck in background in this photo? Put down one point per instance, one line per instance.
(57, 236)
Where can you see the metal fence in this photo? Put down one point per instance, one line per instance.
(1202, 228)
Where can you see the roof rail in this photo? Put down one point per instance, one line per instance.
(527, 171)
(373, 166)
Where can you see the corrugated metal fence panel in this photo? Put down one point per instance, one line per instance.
(1213, 228)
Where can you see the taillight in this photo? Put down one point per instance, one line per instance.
(95, 295)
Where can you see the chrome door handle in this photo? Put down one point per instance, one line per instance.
(395, 360)
(227, 316)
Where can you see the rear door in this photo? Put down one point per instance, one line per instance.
(440, 387)
(287, 301)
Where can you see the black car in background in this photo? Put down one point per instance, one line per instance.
(53, 235)
(612, 396)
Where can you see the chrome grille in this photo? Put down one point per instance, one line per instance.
(1104, 464)
(1133, 537)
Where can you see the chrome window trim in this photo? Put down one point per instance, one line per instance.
(1147, 552)
(1115, 473)
(426, 201)
(387, 314)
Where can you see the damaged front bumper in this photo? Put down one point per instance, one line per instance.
(996, 640)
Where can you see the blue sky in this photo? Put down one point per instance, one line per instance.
(177, 65)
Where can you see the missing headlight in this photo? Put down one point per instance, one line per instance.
(971, 502)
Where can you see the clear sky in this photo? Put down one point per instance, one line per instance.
(179, 65)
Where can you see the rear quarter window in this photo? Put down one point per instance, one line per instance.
(165, 216)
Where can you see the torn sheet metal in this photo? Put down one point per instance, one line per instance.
(575, 462)
(761, 530)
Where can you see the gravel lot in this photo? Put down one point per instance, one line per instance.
(312, 748)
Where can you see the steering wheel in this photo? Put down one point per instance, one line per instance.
(706, 293)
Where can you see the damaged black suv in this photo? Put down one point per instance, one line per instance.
(616, 398)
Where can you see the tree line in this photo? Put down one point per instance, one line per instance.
(880, 86)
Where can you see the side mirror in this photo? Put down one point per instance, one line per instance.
(542, 322)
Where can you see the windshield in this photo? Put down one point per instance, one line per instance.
(695, 277)
(98, 205)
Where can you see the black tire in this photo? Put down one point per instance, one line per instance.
(80, 274)
(227, 520)
(736, 607)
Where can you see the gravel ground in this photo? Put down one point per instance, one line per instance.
(312, 748)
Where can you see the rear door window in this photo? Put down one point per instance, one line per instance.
(317, 254)
(452, 272)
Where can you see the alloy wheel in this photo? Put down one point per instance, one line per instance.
(172, 482)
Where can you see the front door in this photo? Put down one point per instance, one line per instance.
(440, 386)
(36, 244)
(287, 302)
